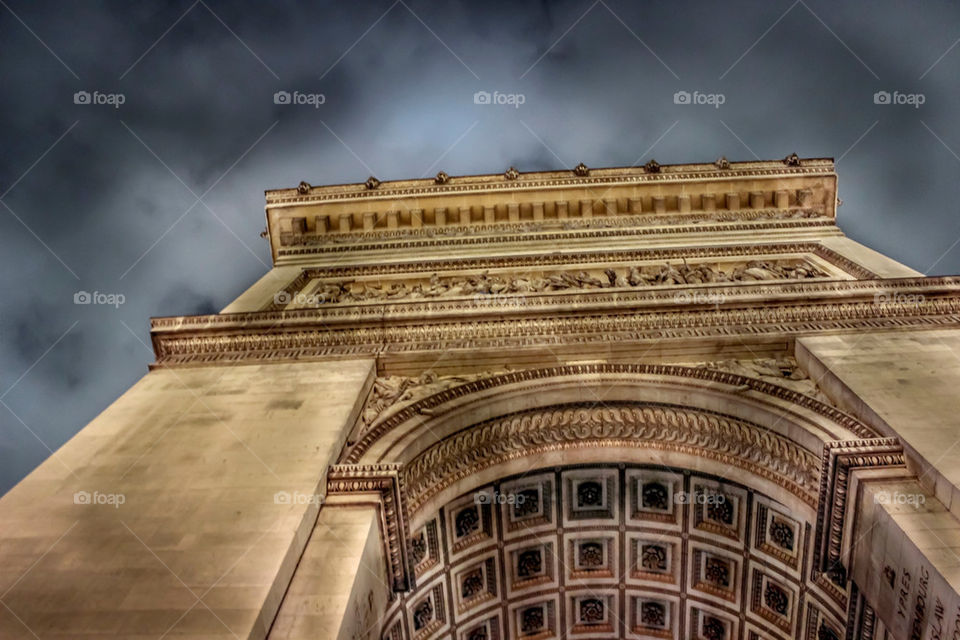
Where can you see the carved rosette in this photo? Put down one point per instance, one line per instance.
(662, 427)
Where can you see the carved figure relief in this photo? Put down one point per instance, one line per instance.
(487, 284)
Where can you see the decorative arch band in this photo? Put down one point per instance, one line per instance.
(725, 439)
(427, 405)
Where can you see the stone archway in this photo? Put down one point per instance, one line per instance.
(429, 442)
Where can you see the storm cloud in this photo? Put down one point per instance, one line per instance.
(138, 138)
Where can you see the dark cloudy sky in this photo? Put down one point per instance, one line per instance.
(160, 199)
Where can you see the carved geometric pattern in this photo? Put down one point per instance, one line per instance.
(707, 625)
(430, 403)
(525, 262)
(284, 335)
(722, 438)
(621, 578)
(776, 534)
(531, 563)
(718, 510)
(592, 613)
(652, 616)
(653, 498)
(591, 557)
(532, 507)
(773, 600)
(476, 584)
(425, 548)
(488, 629)
(820, 627)
(591, 496)
(428, 613)
(715, 574)
(839, 460)
(384, 481)
(469, 524)
(536, 619)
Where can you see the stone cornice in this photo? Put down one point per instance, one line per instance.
(785, 310)
(547, 206)
(451, 238)
(533, 180)
(596, 257)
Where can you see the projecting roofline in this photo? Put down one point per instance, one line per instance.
(581, 174)
(306, 223)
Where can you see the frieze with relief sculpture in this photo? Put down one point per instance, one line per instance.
(486, 284)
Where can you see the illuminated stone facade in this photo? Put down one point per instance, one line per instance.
(657, 402)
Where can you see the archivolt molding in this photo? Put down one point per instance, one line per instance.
(378, 423)
(721, 438)
(840, 460)
(383, 480)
